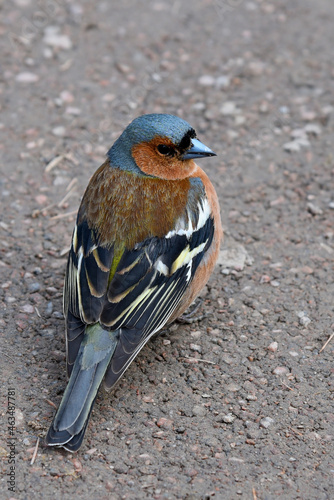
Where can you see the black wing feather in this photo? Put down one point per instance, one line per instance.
(123, 281)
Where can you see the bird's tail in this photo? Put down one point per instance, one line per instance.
(70, 422)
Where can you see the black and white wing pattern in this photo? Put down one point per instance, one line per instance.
(133, 292)
(148, 287)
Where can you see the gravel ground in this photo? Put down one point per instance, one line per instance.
(240, 404)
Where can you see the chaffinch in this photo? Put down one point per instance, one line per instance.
(146, 240)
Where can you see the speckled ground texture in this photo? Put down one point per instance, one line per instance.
(240, 404)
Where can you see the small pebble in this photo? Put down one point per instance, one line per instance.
(123, 68)
(256, 68)
(195, 347)
(66, 96)
(49, 309)
(223, 81)
(291, 147)
(108, 97)
(71, 110)
(307, 115)
(165, 422)
(273, 347)
(280, 370)
(233, 387)
(28, 308)
(59, 131)
(29, 61)
(10, 299)
(303, 141)
(275, 283)
(198, 106)
(47, 53)
(77, 464)
(121, 469)
(41, 199)
(304, 321)
(196, 334)
(229, 108)
(314, 209)
(266, 422)
(298, 133)
(313, 128)
(311, 347)
(206, 81)
(55, 39)
(60, 180)
(251, 397)
(27, 77)
(34, 287)
(228, 419)
(240, 120)
(199, 411)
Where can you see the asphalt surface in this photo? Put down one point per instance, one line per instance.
(239, 404)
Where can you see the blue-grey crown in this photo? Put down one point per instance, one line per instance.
(144, 129)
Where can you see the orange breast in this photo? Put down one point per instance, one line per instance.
(126, 208)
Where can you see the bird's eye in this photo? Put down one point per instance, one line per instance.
(165, 150)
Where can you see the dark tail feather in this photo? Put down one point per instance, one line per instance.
(65, 439)
(70, 422)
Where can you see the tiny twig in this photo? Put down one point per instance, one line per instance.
(200, 360)
(254, 494)
(38, 211)
(206, 361)
(71, 184)
(34, 455)
(283, 383)
(62, 216)
(70, 157)
(296, 432)
(64, 251)
(326, 343)
(51, 403)
(53, 163)
(67, 195)
(7, 355)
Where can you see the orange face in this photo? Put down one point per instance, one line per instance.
(161, 158)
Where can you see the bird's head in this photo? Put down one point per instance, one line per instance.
(158, 145)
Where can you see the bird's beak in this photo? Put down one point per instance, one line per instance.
(197, 150)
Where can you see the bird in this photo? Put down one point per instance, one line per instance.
(145, 242)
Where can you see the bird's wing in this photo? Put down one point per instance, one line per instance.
(133, 292)
(149, 284)
(86, 282)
